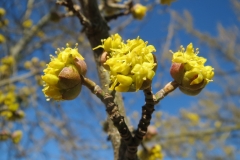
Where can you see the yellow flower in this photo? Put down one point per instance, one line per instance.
(189, 71)
(9, 60)
(16, 136)
(62, 76)
(138, 11)
(193, 117)
(28, 23)
(6, 114)
(2, 12)
(168, 2)
(2, 39)
(131, 65)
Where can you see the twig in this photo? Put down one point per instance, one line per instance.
(29, 9)
(168, 88)
(76, 10)
(115, 6)
(18, 78)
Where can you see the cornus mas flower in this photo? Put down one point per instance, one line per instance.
(189, 71)
(62, 76)
(131, 65)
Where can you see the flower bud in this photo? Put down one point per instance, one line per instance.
(68, 77)
(177, 72)
(72, 93)
(63, 75)
(189, 72)
(16, 136)
(151, 132)
(103, 59)
(138, 11)
(2, 12)
(81, 66)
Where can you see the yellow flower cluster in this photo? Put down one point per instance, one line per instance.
(2, 12)
(3, 22)
(155, 153)
(131, 65)
(138, 11)
(6, 66)
(34, 64)
(2, 38)
(62, 76)
(9, 103)
(189, 71)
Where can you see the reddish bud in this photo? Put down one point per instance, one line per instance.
(81, 66)
(103, 59)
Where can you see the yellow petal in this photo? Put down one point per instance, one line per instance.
(53, 92)
(56, 64)
(197, 80)
(124, 80)
(107, 44)
(50, 79)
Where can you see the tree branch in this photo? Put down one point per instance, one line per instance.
(141, 131)
(95, 33)
(29, 35)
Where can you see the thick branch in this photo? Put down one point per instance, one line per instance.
(118, 120)
(141, 131)
(95, 33)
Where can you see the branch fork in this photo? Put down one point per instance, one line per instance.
(131, 141)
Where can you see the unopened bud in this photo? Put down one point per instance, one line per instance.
(138, 11)
(16, 136)
(81, 66)
(103, 59)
